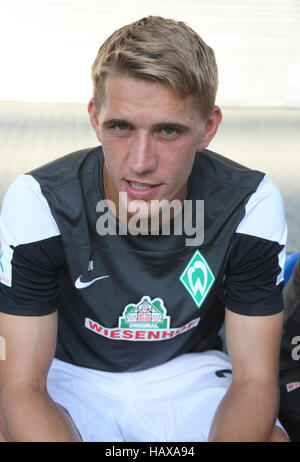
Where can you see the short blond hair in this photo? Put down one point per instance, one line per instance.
(160, 50)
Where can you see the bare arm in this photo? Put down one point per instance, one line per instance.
(249, 409)
(27, 411)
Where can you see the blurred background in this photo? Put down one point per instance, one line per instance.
(48, 46)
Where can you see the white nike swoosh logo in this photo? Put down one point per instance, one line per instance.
(81, 285)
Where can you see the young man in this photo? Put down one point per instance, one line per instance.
(138, 309)
(290, 357)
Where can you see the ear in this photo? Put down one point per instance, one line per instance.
(210, 128)
(94, 117)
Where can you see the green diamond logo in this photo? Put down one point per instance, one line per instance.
(197, 278)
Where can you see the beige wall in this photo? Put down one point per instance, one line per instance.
(49, 45)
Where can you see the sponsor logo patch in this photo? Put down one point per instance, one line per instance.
(292, 386)
(145, 321)
(148, 314)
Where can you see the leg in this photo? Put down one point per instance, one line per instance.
(176, 401)
(87, 397)
(64, 410)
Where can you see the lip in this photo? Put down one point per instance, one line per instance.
(141, 193)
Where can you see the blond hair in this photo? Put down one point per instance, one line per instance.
(160, 50)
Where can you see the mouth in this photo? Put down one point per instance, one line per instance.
(140, 190)
(140, 186)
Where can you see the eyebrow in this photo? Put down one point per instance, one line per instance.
(174, 125)
(110, 122)
(160, 125)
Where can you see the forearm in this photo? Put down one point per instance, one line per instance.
(31, 415)
(247, 413)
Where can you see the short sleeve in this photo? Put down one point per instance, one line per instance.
(254, 277)
(31, 252)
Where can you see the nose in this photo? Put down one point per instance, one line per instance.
(142, 155)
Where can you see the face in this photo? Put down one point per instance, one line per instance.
(149, 137)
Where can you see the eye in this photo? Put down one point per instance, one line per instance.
(122, 127)
(169, 131)
(117, 126)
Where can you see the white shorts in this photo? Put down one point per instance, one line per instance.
(172, 402)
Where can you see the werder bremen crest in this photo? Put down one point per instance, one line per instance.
(146, 314)
(197, 278)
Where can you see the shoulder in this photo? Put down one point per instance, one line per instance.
(264, 214)
(25, 213)
(226, 171)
